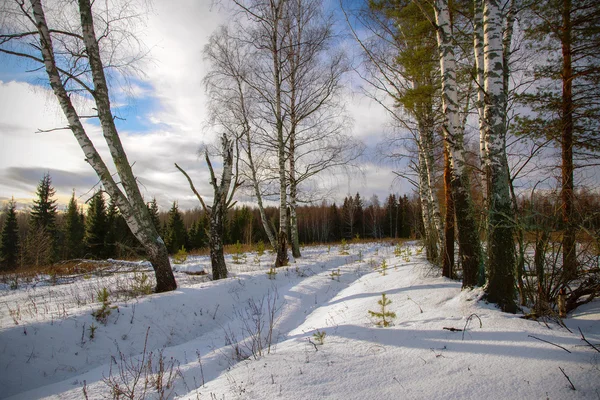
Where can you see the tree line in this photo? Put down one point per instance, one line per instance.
(43, 235)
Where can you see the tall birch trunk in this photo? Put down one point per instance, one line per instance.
(282, 256)
(427, 215)
(468, 239)
(130, 204)
(479, 82)
(501, 247)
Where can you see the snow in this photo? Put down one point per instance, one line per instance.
(46, 350)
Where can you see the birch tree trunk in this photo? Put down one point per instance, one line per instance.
(501, 247)
(470, 246)
(130, 203)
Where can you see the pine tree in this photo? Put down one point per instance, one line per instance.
(153, 210)
(42, 223)
(176, 234)
(96, 227)
(566, 34)
(43, 212)
(74, 231)
(197, 234)
(9, 244)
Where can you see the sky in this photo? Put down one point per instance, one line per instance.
(162, 120)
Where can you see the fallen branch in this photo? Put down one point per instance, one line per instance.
(553, 344)
(566, 376)
(452, 329)
(585, 340)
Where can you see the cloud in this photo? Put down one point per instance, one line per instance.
(166, 115)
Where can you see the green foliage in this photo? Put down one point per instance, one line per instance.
(260, 248)
(181, 256)
(197, 237)
(360, 256)
(272, 273)
(9, 242)
(384, 316)
(344, 248)
(96, 227)
(319, 337)
(398, 250)
(43, 220)
(43, 212)
(153, 211)
(175, 234)
(103, 312)
(74, 231)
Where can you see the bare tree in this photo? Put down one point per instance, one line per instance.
(223, 192)
(72, 57)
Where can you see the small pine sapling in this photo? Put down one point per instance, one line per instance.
(142, 284)
(103, 312)
(335, 275)
(328, 248)
(384, 316)
(319, 337)
(181, 256)
(398, 250)
(92, 330)
(260, 248)
(360, 256)
(237, 255)
(344, 248)
(356, 238)
(272, 273)
(384, 267)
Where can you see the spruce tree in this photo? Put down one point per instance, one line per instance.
(43, 212)
(74, 231)
(42, 224)
(153, 210)
(9, 244)
(96, 227)
(176, 234)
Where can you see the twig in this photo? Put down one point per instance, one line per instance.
(585, 340)
(311, 342)
(467, 323)
(452, 329)
(566, 376)
(553, 344)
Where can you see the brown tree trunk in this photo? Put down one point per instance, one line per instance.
(448, 265)
(569, 251)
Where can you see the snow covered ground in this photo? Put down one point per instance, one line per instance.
(212, 340)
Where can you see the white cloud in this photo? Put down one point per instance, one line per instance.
(176, 33)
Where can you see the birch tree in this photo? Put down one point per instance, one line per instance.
(223, 193)
(400, 63)
(470, 246)
(72, 60)
(501, 246)
(233, 108)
